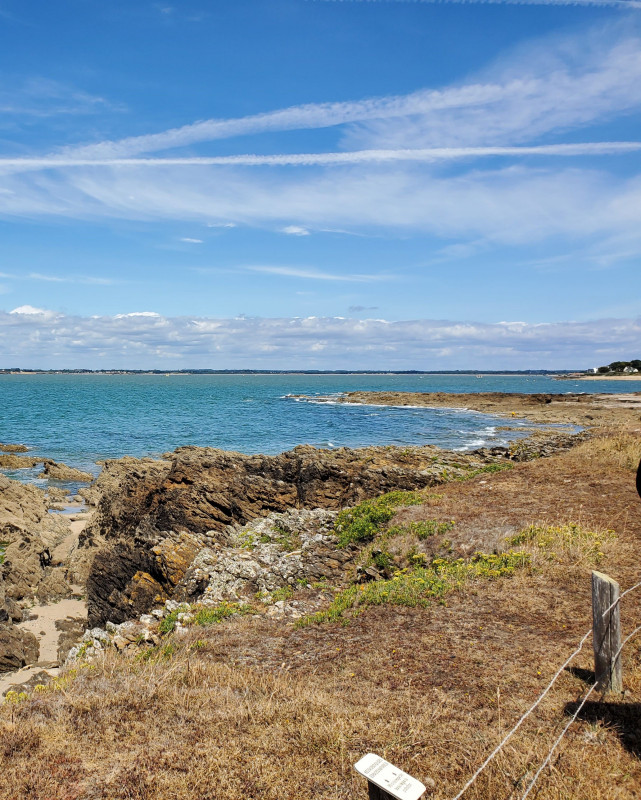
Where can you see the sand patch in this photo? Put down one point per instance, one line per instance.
(43, 625)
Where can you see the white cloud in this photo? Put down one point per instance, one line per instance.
(550, 86)
(29, 311)
(91, 280)
(621, 4)
(137, 314)
(406, 179)
(191, 241)
(295, 230)
(147, 340)
(409, 154)
(511, 205)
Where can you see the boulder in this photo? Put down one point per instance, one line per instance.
(12, 461)
(13, 448)
(17, 648)
(61, 472)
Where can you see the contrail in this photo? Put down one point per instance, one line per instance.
(593, 3)
(330, 159)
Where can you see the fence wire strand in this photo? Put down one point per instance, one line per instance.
(559, 672)
(573, 718)
(556, 743)
(511, 733)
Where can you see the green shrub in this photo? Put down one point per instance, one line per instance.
(211, 615)
(362, 523)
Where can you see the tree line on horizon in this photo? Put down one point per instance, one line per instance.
(622, 366)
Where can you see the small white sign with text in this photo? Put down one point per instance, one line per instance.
(389, 778)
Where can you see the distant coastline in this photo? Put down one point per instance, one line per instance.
(634, 377)
(480, 373)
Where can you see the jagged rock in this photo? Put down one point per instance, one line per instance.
(56, 494)
(17, 648)
(61, 472)
(261, 558)
(154, 516)
(27, 529)
(53, 586)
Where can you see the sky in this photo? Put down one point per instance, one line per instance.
(320, 184)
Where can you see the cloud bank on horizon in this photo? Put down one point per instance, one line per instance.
(39, 338)
(519, 175)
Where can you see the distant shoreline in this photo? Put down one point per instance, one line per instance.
(636, 377)
(311, 372)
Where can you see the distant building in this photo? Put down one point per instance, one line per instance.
(630, 370)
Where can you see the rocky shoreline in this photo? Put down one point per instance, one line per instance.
(199, 525)
(587, 410)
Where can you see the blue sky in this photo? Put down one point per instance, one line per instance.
(318, 184)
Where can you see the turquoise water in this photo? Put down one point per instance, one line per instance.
(81, 419)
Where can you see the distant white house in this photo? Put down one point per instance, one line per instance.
(592, 370)
(630, 370)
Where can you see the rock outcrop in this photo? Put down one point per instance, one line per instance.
(26, 529)
(279, 550)
(17, 648)
(169, 529)
(13, 448)
(12, 461)
(61, 472)
(153, 517)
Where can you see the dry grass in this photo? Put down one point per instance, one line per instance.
(255, 708)
(614, 449)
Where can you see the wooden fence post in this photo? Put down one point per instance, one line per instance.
(606, 633)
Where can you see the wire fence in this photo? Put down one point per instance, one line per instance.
(540, 698)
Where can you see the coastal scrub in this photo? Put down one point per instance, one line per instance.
(362, 522)
(419, 586)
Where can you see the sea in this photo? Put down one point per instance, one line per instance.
(82, 420)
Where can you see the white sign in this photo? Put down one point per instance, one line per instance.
(389, 778)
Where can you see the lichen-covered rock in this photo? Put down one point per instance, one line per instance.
(276, 551)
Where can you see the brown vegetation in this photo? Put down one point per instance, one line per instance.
(257, 708)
